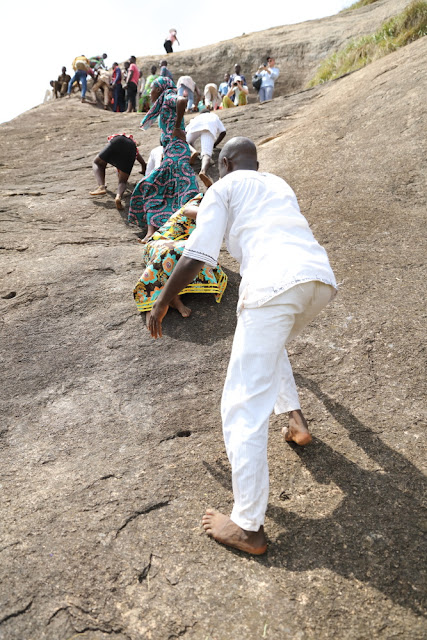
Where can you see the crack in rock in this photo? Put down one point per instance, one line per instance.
(17, 613)
(142, 512)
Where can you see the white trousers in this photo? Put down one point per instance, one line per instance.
(260, 379)
(207, 141)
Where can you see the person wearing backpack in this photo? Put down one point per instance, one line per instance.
(269, 74)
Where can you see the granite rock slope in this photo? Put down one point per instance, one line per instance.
(110, 442)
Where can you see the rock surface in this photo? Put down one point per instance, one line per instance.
(111, 443)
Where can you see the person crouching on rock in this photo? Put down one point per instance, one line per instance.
(121, 151)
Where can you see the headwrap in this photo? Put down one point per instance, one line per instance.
(167, 87)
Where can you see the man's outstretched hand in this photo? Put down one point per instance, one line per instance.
(157, 314)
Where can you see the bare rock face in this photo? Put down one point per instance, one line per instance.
(110, 442)
(298, 48)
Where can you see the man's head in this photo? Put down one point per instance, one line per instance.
(237, 69)
(226, 77)
(153, 69)
(126, 64)
(104, 55)
(64, 69)
(238, 153)
(271, 61)
(115, 64)
(163, 63)
(132, 59)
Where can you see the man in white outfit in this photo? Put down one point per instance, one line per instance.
(211, 131)
(286, 282)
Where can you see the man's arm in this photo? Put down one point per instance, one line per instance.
(184, 273)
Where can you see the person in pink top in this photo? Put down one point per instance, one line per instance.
(171, 38)
(132, 84)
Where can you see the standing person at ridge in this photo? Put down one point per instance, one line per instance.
(118, 92)
(269, 73)
(223, 87)
(171, 38)
(146, 101)
(286, 282)
(132, 84)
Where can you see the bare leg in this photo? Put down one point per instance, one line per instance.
(176, 303)
(98, 167)
(148, 235)
(297, 430)
(206, 160)
(194, 154)
(121, 187)
(222, 529)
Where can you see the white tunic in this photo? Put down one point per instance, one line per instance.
(264, 231)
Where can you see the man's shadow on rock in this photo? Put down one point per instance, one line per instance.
(209, 321)
(377, 533)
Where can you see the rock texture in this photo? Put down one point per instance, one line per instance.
(111, 443)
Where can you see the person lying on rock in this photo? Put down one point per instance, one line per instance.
(121, 151)
(286, 282)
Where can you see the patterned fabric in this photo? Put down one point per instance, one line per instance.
(160, 256)
(172, 184)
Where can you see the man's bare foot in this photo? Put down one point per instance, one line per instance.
(222, 529)
(205, 179)
(297, 430)
(194, 157)
(118, 203)
(99, 191)
(176, 303)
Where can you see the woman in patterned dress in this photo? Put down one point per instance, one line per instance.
(167, 188)
(160, 255)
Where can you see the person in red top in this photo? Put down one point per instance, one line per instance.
(132, 84)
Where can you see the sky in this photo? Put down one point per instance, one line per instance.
(38, 37)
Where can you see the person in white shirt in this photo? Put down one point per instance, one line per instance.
(211, 131)
(269, 73)
(286, 282)
(237, 95)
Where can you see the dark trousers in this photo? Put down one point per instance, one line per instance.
(168, 46)
(118, 98)
(131, 94)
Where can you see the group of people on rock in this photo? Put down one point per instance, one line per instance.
(286, 279)
(128, 90)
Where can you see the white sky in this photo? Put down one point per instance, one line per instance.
(38, 37)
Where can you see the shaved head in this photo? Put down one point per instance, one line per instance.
(238, 153)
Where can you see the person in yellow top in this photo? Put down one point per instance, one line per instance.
(81, 68)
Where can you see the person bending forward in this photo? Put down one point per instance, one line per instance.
(286, 282)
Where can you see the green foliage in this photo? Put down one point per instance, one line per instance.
(407, 26)
(357, 5)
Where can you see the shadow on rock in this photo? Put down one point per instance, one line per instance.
(209, 321)
(375, 535)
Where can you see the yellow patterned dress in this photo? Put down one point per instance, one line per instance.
(160, 256)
